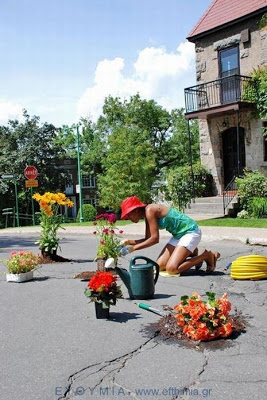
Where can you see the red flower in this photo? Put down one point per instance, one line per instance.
(101, 281)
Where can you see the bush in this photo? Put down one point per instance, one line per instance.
(243, 214)
(89, 213)
(258, 207)
(252, 184)
(180, 190)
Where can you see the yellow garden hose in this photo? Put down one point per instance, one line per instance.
(249, 267)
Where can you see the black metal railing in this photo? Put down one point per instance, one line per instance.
(229, 193)
(216, 93)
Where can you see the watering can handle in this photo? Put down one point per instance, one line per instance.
(148, 260)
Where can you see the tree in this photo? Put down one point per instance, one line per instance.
(29, 143)
(178, 144)
(129, 167)
(131, 133)
(151, 119)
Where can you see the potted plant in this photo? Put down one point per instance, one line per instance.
(103, 290)
(50, 221)
(204, 320)
(109, 240)
(21, 265)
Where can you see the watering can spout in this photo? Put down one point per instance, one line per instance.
(125, 277)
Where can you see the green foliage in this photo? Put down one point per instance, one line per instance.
(29, 143)
(179, 189)
(129, 167)
(49, 240)
(141, 138)
(258, 207)
(178, 144)
(235, 222)
(22, 261)
(263, 21)
(146, 116)
(89, 213)
(252, 184)
(255, 91)
(243, 214)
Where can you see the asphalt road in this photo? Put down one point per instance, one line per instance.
(52, 346)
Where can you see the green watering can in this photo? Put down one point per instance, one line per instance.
(140, 280)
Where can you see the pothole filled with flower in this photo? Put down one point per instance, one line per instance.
(201, 321)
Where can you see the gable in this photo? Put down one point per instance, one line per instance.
(222, 12)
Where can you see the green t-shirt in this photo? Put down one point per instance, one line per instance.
(177, 223)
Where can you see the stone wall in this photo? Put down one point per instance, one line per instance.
(253, 53)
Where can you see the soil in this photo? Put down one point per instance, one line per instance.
(167, 326)
(50, 259)
(87, 275)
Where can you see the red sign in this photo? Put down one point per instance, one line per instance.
(30, 172)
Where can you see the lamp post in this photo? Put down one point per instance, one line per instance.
(79, 174)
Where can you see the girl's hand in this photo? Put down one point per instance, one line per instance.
(126, 250)
(124, 242)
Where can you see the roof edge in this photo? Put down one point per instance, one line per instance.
(193, 38)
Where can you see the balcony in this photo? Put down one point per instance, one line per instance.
(217, 97)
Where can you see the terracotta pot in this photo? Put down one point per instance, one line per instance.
(101, 312)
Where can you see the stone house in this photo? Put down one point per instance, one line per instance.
(228, 45)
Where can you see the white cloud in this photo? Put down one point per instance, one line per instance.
(157, 75)
(9, 110)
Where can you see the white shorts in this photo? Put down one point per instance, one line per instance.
(189, 240)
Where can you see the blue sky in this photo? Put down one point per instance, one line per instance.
(60, 58)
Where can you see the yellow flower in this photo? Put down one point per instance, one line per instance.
(37, 196)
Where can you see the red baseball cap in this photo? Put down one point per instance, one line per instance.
(129, 205)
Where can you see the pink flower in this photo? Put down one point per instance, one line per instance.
(112, 218)
(120, 232)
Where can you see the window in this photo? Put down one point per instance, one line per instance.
(229, 62)
(88, 181)
(69, 186)
(229, 67)
(91, 201)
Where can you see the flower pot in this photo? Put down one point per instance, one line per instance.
(101, 264)
(23, 277)
(100, 311)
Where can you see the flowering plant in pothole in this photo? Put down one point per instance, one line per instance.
(204, 320)
(103, 288)
(109, 236)
(50, 219)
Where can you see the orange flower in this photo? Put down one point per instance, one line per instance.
(204, 320)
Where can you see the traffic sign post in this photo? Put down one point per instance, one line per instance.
(30, 172)
(31, 183)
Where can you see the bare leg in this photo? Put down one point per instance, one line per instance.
(178, 262)
(164, 256)
(211, 263)
(175, 259)
(194, 254)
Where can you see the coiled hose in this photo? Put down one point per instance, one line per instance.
(249, 267)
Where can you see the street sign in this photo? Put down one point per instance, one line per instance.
(31, 183)
(7, 176)
(30, 172)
